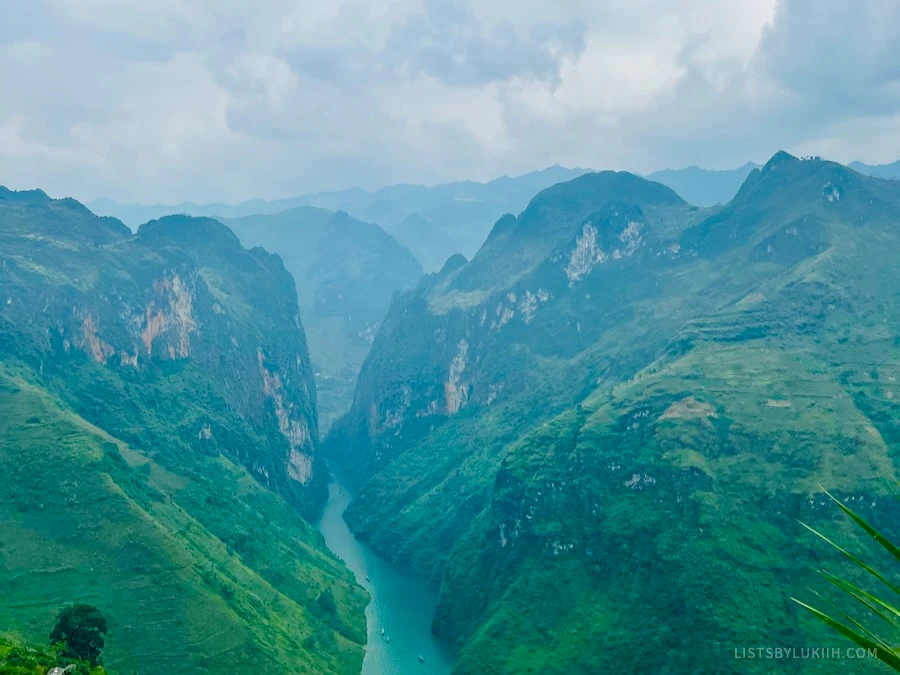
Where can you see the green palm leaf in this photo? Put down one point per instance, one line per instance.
(874, 603)
(854, 558)
(885, 609)
(888, 657)
(871, 531)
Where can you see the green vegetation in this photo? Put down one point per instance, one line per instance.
(81, 631)
(599, 433)
(158, 445)
(17, 658)
(205, 569)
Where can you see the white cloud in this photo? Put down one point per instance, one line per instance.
(163, 100)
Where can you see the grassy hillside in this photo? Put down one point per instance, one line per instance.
(87, 518)
(674, 495)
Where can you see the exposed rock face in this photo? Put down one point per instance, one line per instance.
(181, 299)
(95, 346)
(455, 391)
(292, 424)
(585, 255)
(172, 310)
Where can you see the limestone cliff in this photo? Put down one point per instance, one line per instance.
(179, 306)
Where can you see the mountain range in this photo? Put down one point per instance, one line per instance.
(436, 222)
(432, 222)
(458, 215)
(599, 433)
(595, 431)
(704, 187)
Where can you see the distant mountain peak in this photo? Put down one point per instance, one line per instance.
(780, 158)
(890, 171)
(454, 262)
(414, 219)
(343, 219)
(620, 186)
(182, 229)
(786, 169)
(23, 196)
(64, 218)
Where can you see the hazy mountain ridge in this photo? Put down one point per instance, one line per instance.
(704, 187)
(435, 222)
(599, 432)
(460, 214)
(891, 170)
(159, 414)
(708, 187)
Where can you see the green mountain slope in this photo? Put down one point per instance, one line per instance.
(346, 272)
(158, 427)
(599, 433)
(87, 518)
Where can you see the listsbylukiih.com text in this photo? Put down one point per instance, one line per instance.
(849, 653)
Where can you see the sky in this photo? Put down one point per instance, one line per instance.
(224, 100)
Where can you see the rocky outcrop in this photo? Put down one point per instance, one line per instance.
(171, 310)
(179, 301)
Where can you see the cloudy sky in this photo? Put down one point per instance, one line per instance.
(167, 100)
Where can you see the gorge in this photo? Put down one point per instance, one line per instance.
(597, 433)
(401, 607)
(449, 337)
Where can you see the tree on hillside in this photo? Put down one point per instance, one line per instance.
(83, 630)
